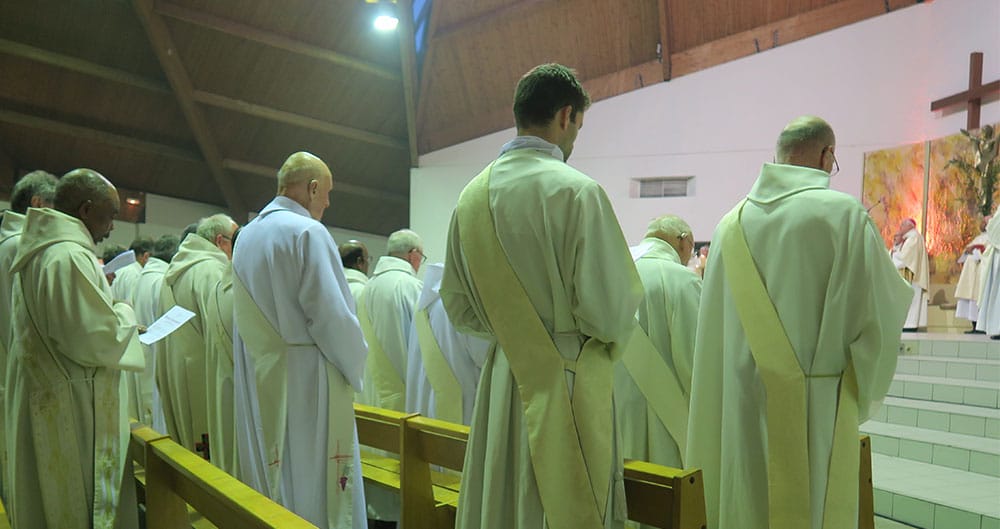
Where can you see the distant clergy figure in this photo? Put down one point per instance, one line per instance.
(444, 365)
(126, 278)
(144, 398)
(354, 256)
(969, 281)
(191, 280)
(668, 316)
(910, 256)
(537, 262)
(385, 310)
(66, 427)
(219, 406)
(298, 355)
(989, 296)
(797, 342)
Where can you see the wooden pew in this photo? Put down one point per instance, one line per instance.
(175, 477)
(656, 495)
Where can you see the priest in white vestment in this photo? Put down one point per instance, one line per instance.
(190, 281)
(910, 256)
(385, 310)
(67, 435)
(989, 296)
(969, 281)
(36, 189)
(550, 234)
(299, 355)
(144, 397)
(123, 287)
(455, 368)
(219, 375)
(669, 316)
(354, 256)
(798, 281)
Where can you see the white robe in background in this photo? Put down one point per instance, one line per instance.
(390, 297)
(219, 376)
(190, 282)
(144, 398)
(356, 281)
(67, 433)
(839, 299)
(10, 234)
(968, 287)
(292, 270)
(989, 296)
(126, 278)
(669, 316)
(563, 241)
(464, 353)
(911, 255)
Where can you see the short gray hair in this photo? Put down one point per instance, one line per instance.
(402, 241)
(34, 184)
(668, 226)
(803, 135)
(218, 224)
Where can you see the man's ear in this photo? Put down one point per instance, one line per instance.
(85, 208)
(564, 116)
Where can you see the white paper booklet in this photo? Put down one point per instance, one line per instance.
(120, 261)
(166, 324)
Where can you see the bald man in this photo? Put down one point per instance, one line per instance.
(190, 281)
(354, 256)
(668, 316)
(298, 355)
(909, 254)
(67, 431)
(797, 340)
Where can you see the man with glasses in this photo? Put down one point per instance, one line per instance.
(191, 279)
(798, 334)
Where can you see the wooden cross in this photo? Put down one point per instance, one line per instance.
(973, 97)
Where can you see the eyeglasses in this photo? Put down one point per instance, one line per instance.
(423, 258)
(836, 166)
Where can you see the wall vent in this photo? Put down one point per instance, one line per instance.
(659, 187)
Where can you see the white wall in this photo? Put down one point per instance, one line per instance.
(873, 81)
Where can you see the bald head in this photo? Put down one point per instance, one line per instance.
(674, 231)
(354, 254)
(88, 196)
(307, 180)
(806, 142)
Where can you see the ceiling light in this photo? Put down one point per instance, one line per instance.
(133, 201)
(386, 23)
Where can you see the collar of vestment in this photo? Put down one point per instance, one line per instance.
(155, 266)
(660, 249)
(355, 276)
(432, 285)
(777, 181)
(534, 143)
(389, 263)
(44, 227)
(283, 203)
(194, 250)
(12, 224)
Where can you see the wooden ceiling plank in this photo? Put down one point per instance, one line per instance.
(482, 19)
(408, 60)
(298, 120)
(87, 133)
(423, 92)
(74, 64)
(787, 30)
(665, 44)
(163, 45)
(274, 40)
(339, 186)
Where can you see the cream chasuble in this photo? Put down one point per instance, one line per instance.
(669, 316)
(144, 401)
(989, 296)
(969, 284)
(123, 287)
(219, 376)
(840, 303)
(10, 234)
(356, 281)
(910, 258)
(66, 427)
(537, 260)
(190, 282)
(298, 351)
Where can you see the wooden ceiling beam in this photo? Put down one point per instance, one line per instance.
(274, 40)
(66, 62)
(87, 133)
(163, 45)
(482, 19)
(423, 92)
(408, 61)
(298, 120)
(665, 43)
(338, 186)
(772, 35)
